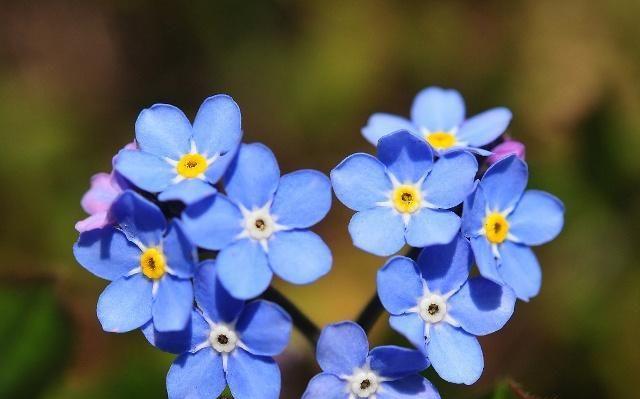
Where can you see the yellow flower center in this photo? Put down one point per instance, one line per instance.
(152, 263)
(406, 199)
(441, 140)
(496, 228)
(191, 165)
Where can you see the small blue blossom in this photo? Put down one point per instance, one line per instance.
(180, 161)
(403, 196)
(502, 221)
(438, 117)
(232, 343)
(149, 263)
(261, 226)
(440, 310)
(350, 370)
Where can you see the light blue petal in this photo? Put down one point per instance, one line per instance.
(360, 181)
(399, 285)
(406, 157)
(106, 253)
(520, 270)
(381, 124)
(482, 306)
(180, 253)
(140, 219)
(411, 387)
(537, 219)
(485, 127)
(432, 227)
(342, 347)
(379, 231)
(485, 259)
(178, 342)
(446, 267)
(451, 179)
(438, 109)
(173, 303)
(145, 170)
(264, 328)
(253, 177)
(163, 130)
(473, 212)
(125, 304)
(455, 355)
(213, 222)
(243, 269)
(299, 256)
(217, 126)
(411, 326)
(303, 199)
(218, 168)
(196, 376)
(504, 182)
(251, 376)
(212, 298)
(187, 191)
(326, 386)
(396, 362)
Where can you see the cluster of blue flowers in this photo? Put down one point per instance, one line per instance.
(192, 224)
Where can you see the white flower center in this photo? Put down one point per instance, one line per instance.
(259, 224)
(432, 308)
(223, 339)
(364, 383)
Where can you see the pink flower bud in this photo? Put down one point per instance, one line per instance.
(506, 148)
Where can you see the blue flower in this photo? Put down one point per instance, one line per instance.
(232, 343)
(260, 226)
(177, 160)
(149, 263)
(502, 220)
(440, 310)
(403, 196)
(438, 116)
(350, 370)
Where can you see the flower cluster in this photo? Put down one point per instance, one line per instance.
(192, 224)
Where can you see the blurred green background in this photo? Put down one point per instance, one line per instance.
(74, 75)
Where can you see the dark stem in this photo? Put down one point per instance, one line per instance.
(308, 328)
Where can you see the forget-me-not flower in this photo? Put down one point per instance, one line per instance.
(438, 116)
(403, 195)
(502, 221)
(440, 311)
(350, 370)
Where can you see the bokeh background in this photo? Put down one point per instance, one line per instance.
(74, 75)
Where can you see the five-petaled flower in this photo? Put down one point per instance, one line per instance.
(438, 117)
(403, 195)
(350, 370)
(440, 310)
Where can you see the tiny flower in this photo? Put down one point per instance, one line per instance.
(438, 116)
(403, 196)
(502, 221)
(148, 263)
(261, 226)
(350, 370)
(232, 343)
(440, 310)
(506, 148)
(180, 161)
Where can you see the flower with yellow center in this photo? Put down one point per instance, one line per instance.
(191, 165)
(152, 263)
(406, 198)
(441, 140)
(496, 227)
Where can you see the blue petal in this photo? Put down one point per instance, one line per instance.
(217, 126)
(537, 219)
(360, 181)
(303, 199)
(187, 191)
(432, 227)
(106, 253)
(145, 170)
(485, 259)
(251, 376)
(455, 355)
(381, 124)
(520, 270)
(253, 177)
(213, 222)
(411, 326)
(399, 285)
(396, 362)
(482, 306)
(212, 298)
(173, 303)
(219, 167)
(451, 179)
(299, 256)
(180, 253)
(411, 387)
(125, 304)
(139, 219)
(473, 212)
(196, 375)
(178, 342)
(243, 269)
(264, 328)
(504, 182)
(438, 109)
(342, 347)
(379, 231)
(163, 130)
(446, 267)
(406, 157)
(485, 127)
(326, 386)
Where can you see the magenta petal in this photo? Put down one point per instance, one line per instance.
(95, 221)
(506, 148)
(101, 194)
